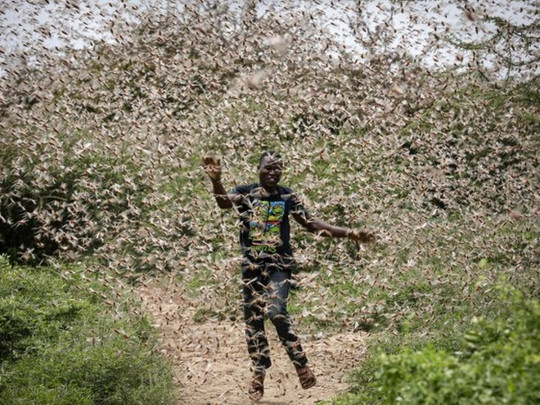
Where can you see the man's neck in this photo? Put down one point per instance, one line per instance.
(270, 190)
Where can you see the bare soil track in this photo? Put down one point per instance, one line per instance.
(211, 365)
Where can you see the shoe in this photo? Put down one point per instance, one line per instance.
(256, 389)
(306, 376)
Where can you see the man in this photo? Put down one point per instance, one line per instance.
(264, 209)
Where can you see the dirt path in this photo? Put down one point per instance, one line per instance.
(212, 366)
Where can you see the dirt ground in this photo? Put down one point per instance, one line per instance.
(211, 364)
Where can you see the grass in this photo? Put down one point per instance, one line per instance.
(63, 340)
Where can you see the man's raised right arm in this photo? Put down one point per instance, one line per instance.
(212, 167)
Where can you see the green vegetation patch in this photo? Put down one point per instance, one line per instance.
(60, 345)
(495, 361)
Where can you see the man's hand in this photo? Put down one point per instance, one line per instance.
(212, 167)
(361, 235)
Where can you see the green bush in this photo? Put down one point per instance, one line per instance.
(497, 362)
(61, 196)
(59, 345)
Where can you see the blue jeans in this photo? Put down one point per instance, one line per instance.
(266, 287)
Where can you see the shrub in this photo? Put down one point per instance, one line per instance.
(62, 196)
(498, 362)
(59, 345)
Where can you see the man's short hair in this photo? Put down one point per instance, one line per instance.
(271, 154)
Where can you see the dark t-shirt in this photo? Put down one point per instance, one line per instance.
(265, 232)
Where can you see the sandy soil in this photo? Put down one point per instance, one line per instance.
(212, 366)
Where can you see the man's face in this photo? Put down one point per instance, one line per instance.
(270, 171)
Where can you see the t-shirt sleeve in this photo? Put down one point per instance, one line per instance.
(243, 190)
(297, 206)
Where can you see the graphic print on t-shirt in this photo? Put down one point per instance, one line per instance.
(265, 225)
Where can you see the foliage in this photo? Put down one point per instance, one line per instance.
(61, 195)
(61, 344)
(497, 361)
